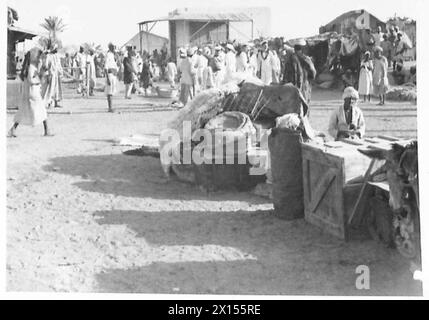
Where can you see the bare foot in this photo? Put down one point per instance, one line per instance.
(48, 134)
(11, 135)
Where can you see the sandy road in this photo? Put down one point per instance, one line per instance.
(83, 217)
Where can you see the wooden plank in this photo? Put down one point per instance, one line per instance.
(388, 138)
(363, 194)
(316, 154)
(333, 229)
(352, 142)
(321, 188)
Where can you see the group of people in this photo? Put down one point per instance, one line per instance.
(374, 66)
(205, 68)
(137, 72)
(373, 76)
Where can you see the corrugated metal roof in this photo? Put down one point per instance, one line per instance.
(203, 17)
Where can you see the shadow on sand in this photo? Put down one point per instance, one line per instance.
(279, 257)
(136, 176)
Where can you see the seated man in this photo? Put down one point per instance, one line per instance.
(347, 121)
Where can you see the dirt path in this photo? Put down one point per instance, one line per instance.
(83, 217)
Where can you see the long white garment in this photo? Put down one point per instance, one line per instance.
(365, 77)
(266, 66)
(111, 64)
(171, 73)
(276, 68)
(242, 62)
(91, 70)
(32, 110)
(230, 66)
(253, 64)
(202, 65)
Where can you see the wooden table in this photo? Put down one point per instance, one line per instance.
(335, 177)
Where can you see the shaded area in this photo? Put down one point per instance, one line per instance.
(284, 257)
(134, 176)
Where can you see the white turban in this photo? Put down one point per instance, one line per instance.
(350, 92)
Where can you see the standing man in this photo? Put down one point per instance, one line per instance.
(266, 64)
(202, 65)
(277, 66)
(300, 70)
(53, 90)
(230, 62)
(91, 72)
(378, 36)
(380, 80)
(400, 49)
(129, 73)
(81, 64)
(187, 72)
(218, 67)
(387, 47)
(243, 59)
(111, 71)
(347, 121)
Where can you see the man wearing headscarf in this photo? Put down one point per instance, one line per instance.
(300, 70)
(379, 77)
(53, 92)
(347, 122)
(230, 62)
(202, 63)
(90, 71)
(187, 72)
(218, 67)
(378, 36)
(243, 59)
(111, 71)
(266, 64)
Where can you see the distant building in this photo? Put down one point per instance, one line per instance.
(195, 26)
(150, 42)
(353, 20)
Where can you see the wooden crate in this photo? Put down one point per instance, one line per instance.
(329, 189)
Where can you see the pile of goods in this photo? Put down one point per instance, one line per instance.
(236, 115)
(407, 92)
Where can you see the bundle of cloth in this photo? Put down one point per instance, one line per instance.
(250, 97)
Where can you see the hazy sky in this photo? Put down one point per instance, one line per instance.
(104, 21)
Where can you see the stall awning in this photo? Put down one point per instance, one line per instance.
(19, 34)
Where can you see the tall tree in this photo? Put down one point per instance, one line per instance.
(54, 25)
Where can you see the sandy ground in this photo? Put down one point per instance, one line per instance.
(83, 217)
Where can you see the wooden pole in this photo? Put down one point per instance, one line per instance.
(141, 40)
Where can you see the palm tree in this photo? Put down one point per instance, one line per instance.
(54, 25)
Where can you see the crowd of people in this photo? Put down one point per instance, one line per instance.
(197, 69)
(200, 68)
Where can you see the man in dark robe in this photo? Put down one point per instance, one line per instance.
(299, 70)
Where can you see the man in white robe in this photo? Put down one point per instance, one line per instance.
(347, 122)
